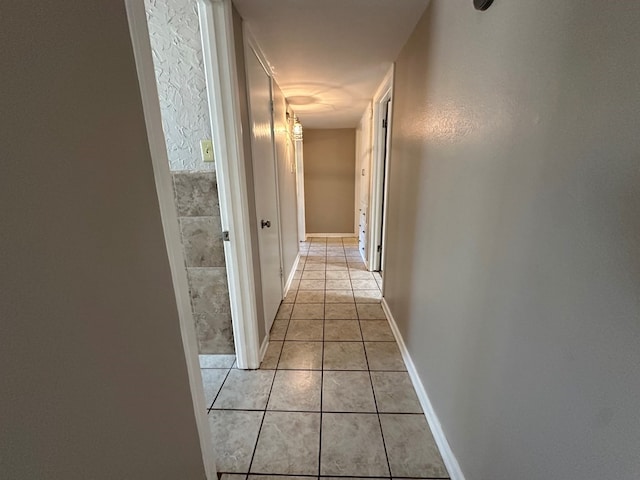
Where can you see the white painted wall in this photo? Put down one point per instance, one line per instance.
(94, 377)
(177, 57)
(514, 231)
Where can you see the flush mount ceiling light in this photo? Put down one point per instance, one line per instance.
(482, 4)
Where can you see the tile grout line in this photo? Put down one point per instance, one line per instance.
(264, 412)
(324, 315)
(219, 390)
(373, 391)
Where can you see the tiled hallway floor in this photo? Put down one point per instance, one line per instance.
(332, 397)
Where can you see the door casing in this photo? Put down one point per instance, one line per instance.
(379, 172)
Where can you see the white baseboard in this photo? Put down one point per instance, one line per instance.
(331, 235)
(292, 273)
(263, 347)
(448, 456)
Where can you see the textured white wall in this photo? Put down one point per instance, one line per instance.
(177, 56)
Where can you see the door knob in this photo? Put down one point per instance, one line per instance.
(265, 223)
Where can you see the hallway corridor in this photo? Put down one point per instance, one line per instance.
(332, 397)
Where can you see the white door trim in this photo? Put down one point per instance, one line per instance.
(216, 27)
(376, 212)
(151, 106)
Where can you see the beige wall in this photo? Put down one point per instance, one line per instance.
(513, 233)
(329, 180)
(94, 379)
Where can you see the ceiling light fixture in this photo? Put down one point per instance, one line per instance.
(297, 129)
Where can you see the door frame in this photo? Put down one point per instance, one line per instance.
(379, 171)
(251, 47)
(223, 95)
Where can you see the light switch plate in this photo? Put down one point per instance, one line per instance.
(206, 149)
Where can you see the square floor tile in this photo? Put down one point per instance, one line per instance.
(291, 296)
(357, 265)
(352, 445)
(342, 331)
(295, 284)
(233, 476)
(361, 275)
(347, 392)
(234, 436)
(338, 284)
(310, 296)
(368, 311)
(340, 311)
(289, 444)
(410, 446)
(367, 296)
(338, 275)
(278, 329)
(338, 267)
(308, 311)
(245, 390)
(273, 477)
(337, 260)
(344, 356)
(272, 355)
(384, 356)
(216, 361)
(296, 390)
(212, 379)
(314, 266)
(376, 331)
(339, 296)
(309, 330)
(301, 356)
(313, 275)
(364, 284)
(395, 393)
(284, 312)
(312, 284)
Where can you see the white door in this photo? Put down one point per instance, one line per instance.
(265, 185)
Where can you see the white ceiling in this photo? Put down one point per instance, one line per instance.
(329, 56)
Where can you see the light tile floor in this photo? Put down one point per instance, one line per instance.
(332, 397)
